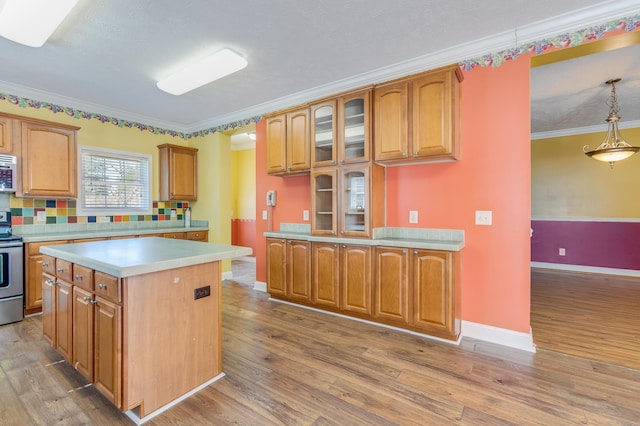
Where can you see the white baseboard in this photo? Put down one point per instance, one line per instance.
(260, 286)
(590, 269)
(500, 336)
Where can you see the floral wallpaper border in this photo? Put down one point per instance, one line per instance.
(576, 38)
(565, 40)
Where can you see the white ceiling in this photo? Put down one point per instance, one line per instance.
(108, 54)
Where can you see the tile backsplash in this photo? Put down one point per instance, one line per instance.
(30, 215)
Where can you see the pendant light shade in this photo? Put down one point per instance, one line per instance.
(613, 148)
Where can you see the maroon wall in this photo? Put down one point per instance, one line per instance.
(601, 244)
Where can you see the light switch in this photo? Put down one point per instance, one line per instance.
(305, 215)
(41, 217)
(413, 216)
(264, 215)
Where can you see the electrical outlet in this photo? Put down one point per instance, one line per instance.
(104, 219)
(41, 217)
(562, 251)
(264, 215)
(413, 216)
(484, 217)
(305, 215)
(174, 214)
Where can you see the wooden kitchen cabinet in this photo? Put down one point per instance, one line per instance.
(83, 324)
(325, 284)
(391, 284)
(419, 289)
(178, 172)
(288, 143)
(417, 120)
(63, 314)
(289, 269)
(342, 277)
(324, 201)
(49, 308)
(276, 266)
(198, 236)
(107, 346)
(341, 130)
(33, 275)
(6, 143)
(175, 235)
(49, 159)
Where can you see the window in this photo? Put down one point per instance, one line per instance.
(113, 182)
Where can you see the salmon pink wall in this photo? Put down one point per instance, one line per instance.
(293, 197)
(492, 174)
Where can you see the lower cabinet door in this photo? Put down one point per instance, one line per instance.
(64, 319)
(326, 274)
(276, 267)
(83, 313)
(299, 270)
(49, 309)
(355, 262)
(433, 291)
(108, 350)
(391, 284)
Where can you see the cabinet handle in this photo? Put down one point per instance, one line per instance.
(415, 252)
(174, 237)
(102, 286)
(85, 298)
(415, 152)
(344, 246)
(60, 270)
(50, 282)
(25, 192)
(289, 241)
(342, 232)
(282, 241)
(404, 251)
(282, 169)
(333, 161)
(79, 277)
(45, 265)
(341, 161)
(93, 302)
(335, 246)
(289, 167)
(404, 154)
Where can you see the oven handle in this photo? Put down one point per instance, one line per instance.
(11, 298)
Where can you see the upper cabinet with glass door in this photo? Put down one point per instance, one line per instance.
(341, 130)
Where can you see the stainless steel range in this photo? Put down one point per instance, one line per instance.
(11, 273)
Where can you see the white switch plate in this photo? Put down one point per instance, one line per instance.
(484, 217)
(562, 252)
(413, 216)
(305, 215)
(174, 214)
(264, 215)
(41, 217)
(104, 219)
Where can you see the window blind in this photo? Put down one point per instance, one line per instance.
(114, 182)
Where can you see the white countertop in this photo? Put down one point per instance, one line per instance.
(72, 235)
(136, 256)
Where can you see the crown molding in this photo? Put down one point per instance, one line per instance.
(582, 130)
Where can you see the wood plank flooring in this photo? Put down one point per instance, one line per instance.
(589, 315)
(289, 366)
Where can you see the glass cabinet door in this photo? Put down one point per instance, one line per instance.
(324, 202)
(354, 127)
(323, 138)
(355, 208)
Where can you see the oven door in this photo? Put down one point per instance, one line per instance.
(11, 278)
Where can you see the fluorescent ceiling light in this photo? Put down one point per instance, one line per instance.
(31, 22)
(211, 68)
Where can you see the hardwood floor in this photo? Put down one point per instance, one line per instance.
(589, 315)
(289, 366)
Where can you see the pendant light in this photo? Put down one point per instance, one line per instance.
(613, 148)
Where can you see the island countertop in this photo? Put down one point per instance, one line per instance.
(136, 256)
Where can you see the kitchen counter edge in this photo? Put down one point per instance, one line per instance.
(76, 235)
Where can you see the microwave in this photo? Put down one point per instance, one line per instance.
(8, 173)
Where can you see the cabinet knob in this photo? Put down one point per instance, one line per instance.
(404, 154)
(79, 277)
(344, 246)
(102, 286)
(60, 270)
(415, 152)
(282, 169)
(415, 252)
(335, 246)
(289, 241)
(85, 298)
(45, 265)
(341, 161)
(93, 302)
(333, 161)
(174, 237)
(289, 167)
(404, 251)
(25, 192)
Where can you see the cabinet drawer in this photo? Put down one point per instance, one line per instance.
(48, 265)
(83, 277)
(198, 235)
(64, 270)
(107, 286)
(176, 235)
(34, 248)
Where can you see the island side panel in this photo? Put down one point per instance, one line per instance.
(171, 342)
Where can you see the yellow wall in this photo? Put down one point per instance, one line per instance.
(214, 163)
(565, 183)
(243, 187)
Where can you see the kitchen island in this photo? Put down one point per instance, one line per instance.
(140, 318)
